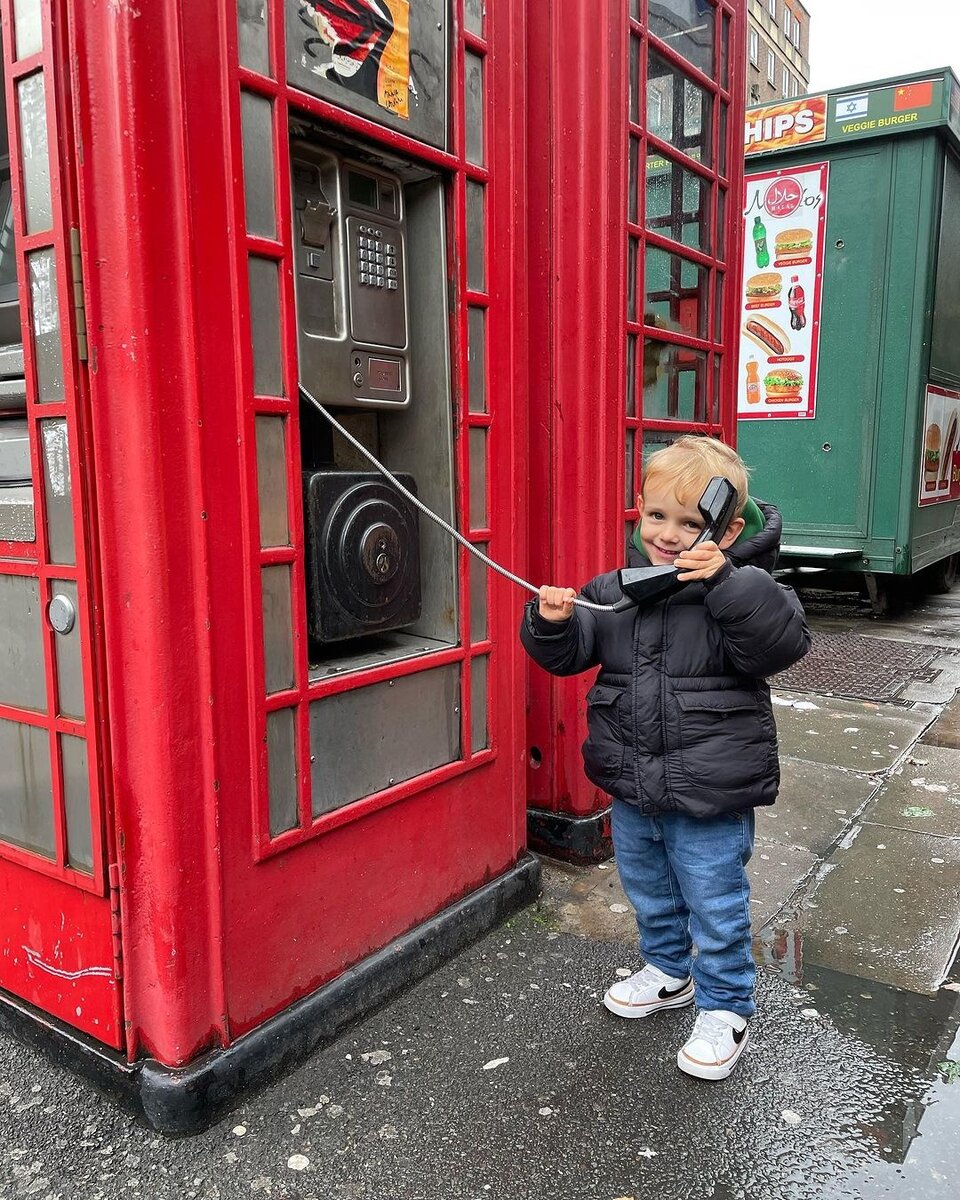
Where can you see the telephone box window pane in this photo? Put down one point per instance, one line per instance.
(272, 481)
(368, 739)
(721, 223)
(631, 374)
(687, 28)
(22, 679)
(630, 495)
(473, 16)
(675, 382)
(26, 796)
(47, 333)
(476, 270)
(478, 597)
(717, 384)
(76, 803)
(473, 106)
(477, 359)
(479, 733)
(678, 203)
(717, 330)
(635, 9)
(632, 206)
(634, 80)
(676, 293)
(16, 515)
(265, 327)
(58, 490)
(722, 163)
(282, 771)
(69, 661)
(725, 52)
(27, 27)
(36, 158)
(478, 479)
(257, 120)
(678, 111)
(277, 629)
(631, 279)
(254, 39)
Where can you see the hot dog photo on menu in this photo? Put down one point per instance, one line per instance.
(783, 229)
(939, 467)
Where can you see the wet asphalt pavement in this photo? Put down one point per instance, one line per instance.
(500, 1075)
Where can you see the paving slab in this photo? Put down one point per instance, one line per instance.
(923, 794)
(886, 908)
(775, 872)
(946, 732)
(856, 734)
(815, 806)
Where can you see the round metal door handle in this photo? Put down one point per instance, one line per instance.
(62, 614)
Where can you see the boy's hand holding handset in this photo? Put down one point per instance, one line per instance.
(700, 562)
(556, 603)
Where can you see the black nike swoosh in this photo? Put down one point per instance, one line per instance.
(665, 995)
(739, 1035)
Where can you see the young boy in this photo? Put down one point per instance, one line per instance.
(681, 735)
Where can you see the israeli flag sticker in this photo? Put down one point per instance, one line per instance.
(849, 107)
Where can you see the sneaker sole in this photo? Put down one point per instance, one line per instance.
(712, 1071)
(631, 1011)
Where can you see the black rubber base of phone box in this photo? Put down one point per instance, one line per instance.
(581, 840)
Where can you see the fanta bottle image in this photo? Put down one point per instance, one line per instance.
(753, 381)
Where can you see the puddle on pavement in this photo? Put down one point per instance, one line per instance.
(917, 1151)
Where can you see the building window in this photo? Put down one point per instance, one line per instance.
(785, 82)
(772, 7)
(786, 23)
(754, 47)
(794, 86)
(771, 66)
(796, 33)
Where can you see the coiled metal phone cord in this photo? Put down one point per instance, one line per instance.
(432, 515)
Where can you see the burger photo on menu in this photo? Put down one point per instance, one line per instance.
(931, 457)
(946, 458)
(765, 286)
(767, 335)
(783, 385)
(793, 243)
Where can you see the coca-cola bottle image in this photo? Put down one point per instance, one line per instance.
(797, 303)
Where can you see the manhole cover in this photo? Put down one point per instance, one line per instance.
(861, 668)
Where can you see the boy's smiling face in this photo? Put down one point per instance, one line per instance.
(668, 527)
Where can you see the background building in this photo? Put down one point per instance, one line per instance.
(778, 48)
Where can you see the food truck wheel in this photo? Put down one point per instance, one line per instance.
(941, 577)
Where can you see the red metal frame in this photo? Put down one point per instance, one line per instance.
(75, 975)
(284, 99)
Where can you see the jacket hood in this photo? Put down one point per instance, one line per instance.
(755, 547)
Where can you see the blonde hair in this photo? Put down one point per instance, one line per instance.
(688, 464)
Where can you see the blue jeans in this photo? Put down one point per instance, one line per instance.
(685, 877)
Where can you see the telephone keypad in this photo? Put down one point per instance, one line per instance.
(376, 260)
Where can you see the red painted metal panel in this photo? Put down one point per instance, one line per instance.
(577, 212)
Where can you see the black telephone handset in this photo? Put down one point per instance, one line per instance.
(644, 585)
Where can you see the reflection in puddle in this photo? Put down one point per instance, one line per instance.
(914, 1135)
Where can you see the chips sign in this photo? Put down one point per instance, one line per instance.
(780, 126)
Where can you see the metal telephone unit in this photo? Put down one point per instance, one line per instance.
(349, 237)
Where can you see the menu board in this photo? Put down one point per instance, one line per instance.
(784, 220)
(940, 449)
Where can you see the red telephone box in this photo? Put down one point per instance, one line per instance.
(262, 728)
(636, 164)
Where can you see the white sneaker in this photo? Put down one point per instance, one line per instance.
(646, 992)
(718, 1039)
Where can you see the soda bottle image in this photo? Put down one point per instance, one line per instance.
(760, 243)
(753, 381)
(796, 301)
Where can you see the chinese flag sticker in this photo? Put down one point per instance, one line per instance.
(913, 95)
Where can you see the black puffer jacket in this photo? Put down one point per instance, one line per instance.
(680, 717)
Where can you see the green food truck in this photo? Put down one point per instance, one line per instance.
(849, 392)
